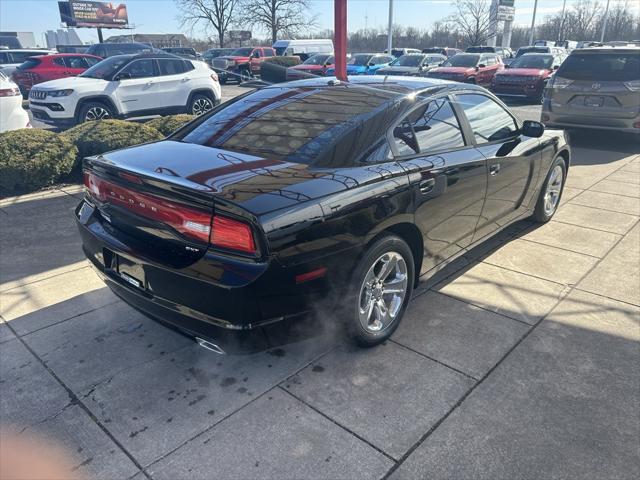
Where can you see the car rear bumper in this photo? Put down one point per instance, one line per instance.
(557, 120)
(202, 299)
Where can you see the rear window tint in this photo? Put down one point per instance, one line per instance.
(323, 126)
(610, 66)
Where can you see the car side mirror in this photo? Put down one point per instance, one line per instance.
(482, 65)
(255, 55)
(531, 128)
(556, 67)
(123, 76)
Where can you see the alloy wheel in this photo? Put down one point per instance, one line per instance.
(97, 113)
(383, 292)
(201, 106)
(554, 188)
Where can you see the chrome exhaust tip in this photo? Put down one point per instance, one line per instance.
(210, 346)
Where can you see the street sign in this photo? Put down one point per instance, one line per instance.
(506, 13)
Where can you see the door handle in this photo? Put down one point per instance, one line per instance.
(426, 185)
(494, 169)
(186, 79)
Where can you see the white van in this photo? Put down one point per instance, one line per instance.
(303, 48)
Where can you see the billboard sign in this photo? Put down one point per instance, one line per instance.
(77, 13)
(240, 34)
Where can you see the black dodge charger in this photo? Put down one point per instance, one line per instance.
(313, 195)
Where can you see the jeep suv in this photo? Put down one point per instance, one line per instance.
(242, 64)
(595, 88)
(127, 86)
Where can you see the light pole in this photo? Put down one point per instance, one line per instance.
(604, 22)
(533, 22)
(390, 33)
(564, 5)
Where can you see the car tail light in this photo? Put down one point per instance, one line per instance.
(636, 125)
(9, 92)
(633, 85)
(559, 82)
(190, 222)
(232, 234)
(214, 76)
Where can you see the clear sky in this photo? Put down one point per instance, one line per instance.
(160, 16)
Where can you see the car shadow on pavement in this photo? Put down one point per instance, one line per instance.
(611, 145)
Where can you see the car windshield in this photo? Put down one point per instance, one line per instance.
(408, 61)
(462, 60)
(360, 60)
(318, 59)
(533, 61)
(106, 68)
(605, 66)
(242, 52)
(29, 63)
(320, 126)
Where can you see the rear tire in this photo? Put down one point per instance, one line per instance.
(380, 290)
(94, 110)
(551, 192)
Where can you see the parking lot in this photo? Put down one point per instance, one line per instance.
(519, 360)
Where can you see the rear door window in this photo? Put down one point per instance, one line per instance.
(489, 121)
(430, 128)
(609, 66)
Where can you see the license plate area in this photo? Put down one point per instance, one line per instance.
(593, 101)
(131, 272)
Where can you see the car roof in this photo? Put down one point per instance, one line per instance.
(152, 55)
(607, 49)
(394, 86)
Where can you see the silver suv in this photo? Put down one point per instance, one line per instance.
(595, 88)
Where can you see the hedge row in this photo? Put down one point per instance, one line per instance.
(31, 159)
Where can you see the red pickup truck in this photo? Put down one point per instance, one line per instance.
(242, 64)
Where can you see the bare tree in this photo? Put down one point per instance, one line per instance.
(472, 20)
(218, 15)
(280, 17)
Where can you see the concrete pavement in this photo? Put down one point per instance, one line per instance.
(521, 360)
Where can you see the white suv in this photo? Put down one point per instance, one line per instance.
(125, 86)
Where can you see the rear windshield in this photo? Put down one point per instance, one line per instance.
(30, 63)
(532, 61)
(408, 61)
(320, 126)
(601, 66)
(462, 60)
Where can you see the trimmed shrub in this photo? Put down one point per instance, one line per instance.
(31, 159)
(94, 138)
(168, 125)
(274, 69)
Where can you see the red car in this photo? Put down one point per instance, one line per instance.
(478, 68)
(526, 76)
(316, 65)
(42, 68)
(242, 64)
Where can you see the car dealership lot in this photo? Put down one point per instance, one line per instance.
(519, 360)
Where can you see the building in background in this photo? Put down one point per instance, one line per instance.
(157, 40)
(62, 37)
(26, 39)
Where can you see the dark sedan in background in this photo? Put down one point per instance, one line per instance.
(313, 196)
